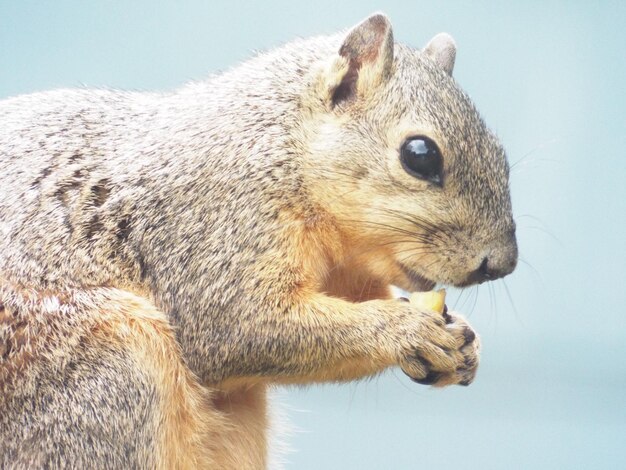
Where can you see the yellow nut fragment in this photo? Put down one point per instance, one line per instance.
(431, 300)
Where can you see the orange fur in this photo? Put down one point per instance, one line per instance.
(201, 427)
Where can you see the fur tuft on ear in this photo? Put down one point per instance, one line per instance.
(442, 50)
(368, 53)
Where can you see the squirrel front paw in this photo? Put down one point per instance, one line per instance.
(437, 347)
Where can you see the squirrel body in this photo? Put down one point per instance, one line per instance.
(166, 257)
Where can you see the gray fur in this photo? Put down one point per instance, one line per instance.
(77, 406)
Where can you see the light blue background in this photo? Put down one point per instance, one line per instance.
(550, 78)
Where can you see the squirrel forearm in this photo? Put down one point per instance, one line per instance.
(321, 339)
(330, 339)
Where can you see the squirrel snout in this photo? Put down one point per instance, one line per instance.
(499, 262)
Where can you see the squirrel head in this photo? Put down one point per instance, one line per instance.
(399, 156)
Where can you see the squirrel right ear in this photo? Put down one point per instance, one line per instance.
(365, 59)
(442, 50)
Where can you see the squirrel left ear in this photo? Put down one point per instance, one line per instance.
(442, 50)
(367, 53)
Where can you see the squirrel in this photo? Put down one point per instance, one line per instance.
(166, 258)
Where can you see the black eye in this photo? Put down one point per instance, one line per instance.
(421, 158)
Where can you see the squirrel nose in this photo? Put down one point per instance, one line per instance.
(500, 262)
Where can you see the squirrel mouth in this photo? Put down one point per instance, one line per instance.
(418, 283)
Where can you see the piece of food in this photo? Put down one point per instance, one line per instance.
(431, 300)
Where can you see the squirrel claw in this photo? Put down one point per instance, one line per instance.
(431, 378)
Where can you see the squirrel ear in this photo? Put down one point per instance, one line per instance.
(442, 50)
(367, 53)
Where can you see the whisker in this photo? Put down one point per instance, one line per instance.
(519, 165)
(413, 391)
(418, 222)
(529, 216)
(403, 240)
(492, 300)
(477, 291)
(532, 152)
(457, 303)
(537, 273)
(429, 228)
(429, 265)
(426, 226)
(543, 230)
(508, 294)
(416, 250)
(385, 226)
